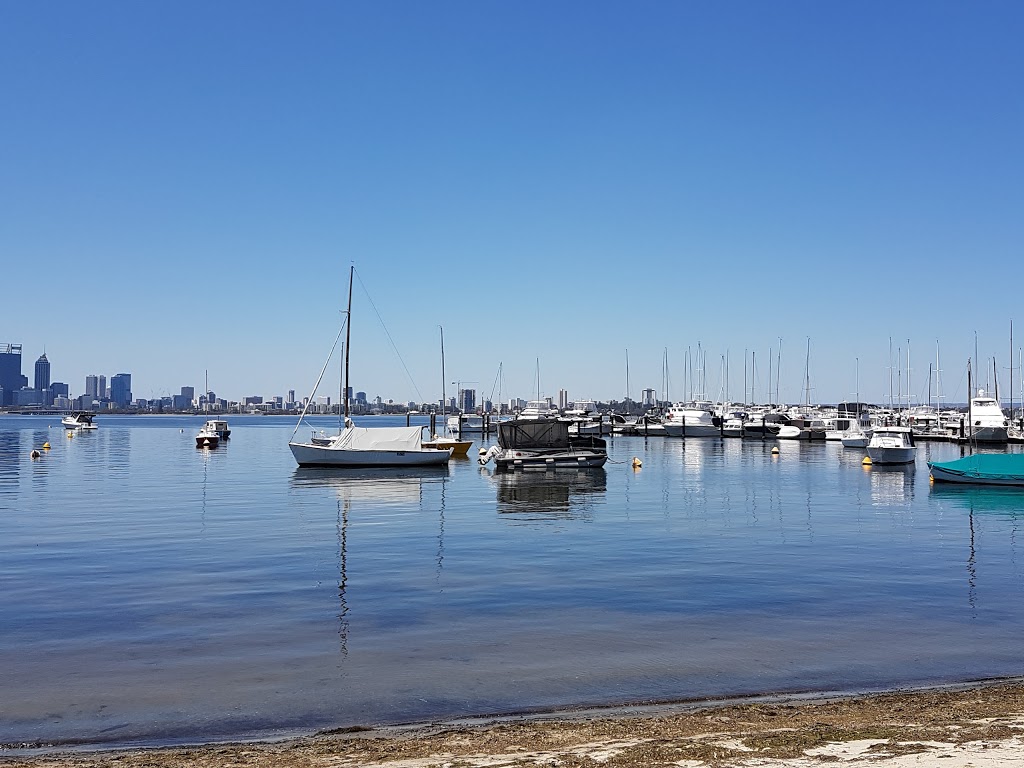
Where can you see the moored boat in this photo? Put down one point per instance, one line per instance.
(544, 444)
(208, 436)
(981, 469)
(78, 420)
(892, 445)
(360, 446)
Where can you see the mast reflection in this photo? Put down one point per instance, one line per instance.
(368, 488)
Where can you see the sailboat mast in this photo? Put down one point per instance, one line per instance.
(443, 395)
(970, 415)
(348, 336)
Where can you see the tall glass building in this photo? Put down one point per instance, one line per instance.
(42, 373)
(11, 379)
(121, 389)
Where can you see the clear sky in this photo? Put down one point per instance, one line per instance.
(184, 185)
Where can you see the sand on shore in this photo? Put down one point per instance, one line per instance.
(980, 726)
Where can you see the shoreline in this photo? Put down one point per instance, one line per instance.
(979, 724)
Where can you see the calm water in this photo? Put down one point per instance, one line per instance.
(153, 592)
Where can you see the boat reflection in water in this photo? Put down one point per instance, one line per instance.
(891, 483)
(561, 495)
(382, 486)
(359, 489)
(978, 499)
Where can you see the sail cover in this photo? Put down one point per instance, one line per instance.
(379, 439)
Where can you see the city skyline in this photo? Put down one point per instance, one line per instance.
(553, 185)
(467, 399)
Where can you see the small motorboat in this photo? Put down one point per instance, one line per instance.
(892, 445)
(207, 437)
(78, 420)
(459, 447)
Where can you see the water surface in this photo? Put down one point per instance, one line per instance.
(154, 592)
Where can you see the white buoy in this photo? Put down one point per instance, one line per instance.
(637, 463)
(775, 451)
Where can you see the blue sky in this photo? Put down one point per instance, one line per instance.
(184, 186)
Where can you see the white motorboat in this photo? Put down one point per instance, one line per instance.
(360, 446)
(465, 424)
(695, 419)
(544, 444)
(220, 427)
(78, 420)
(539, 409)
(208, 436)
(892, 445)
(986, 422)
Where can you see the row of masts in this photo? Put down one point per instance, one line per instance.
(900, 395)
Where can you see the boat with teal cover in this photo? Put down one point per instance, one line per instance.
(981, 469)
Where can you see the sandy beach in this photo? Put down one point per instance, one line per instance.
(980, 726)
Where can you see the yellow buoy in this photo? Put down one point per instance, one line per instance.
(637, 463)
(70, 433)
(867, 461)
(46, 446)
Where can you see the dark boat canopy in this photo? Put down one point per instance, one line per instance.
(533, 434)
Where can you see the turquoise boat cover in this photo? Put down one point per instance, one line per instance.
(995, 467)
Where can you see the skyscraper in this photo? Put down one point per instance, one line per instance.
(42, 373)
(101, 387)
(121, 389)
(91, 386)
(11, 379)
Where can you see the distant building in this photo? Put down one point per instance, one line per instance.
(121, 389)
(650, 397)
(101, 388)
(42, 379)
(27, 396)
(563, 399)
(92, 386)
(59, 389)
(11, 379)
(467, 400)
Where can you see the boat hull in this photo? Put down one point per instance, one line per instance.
(309, 455)
(207, 441)
(523, 460)
(458, 447)
(902, 455)
(969, 471)
(691, 430)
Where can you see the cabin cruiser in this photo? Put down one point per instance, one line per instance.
(465, 424)
(543, 444)
(539, 409)
(209, 436)
(892, 445)
(78, 420)
(986, 421)
(694, 419)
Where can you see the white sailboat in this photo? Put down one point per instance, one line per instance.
(361, 446)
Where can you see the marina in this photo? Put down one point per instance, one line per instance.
(155, 593)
